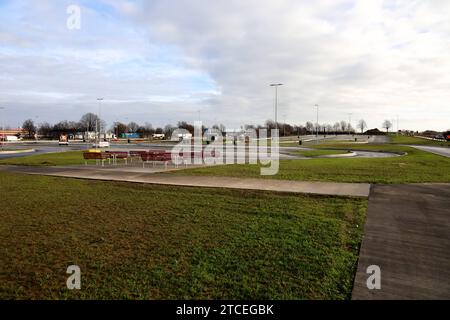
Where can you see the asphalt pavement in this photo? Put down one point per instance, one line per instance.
(442, 151)
(407, 235)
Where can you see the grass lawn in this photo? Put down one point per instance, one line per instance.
(417, 166)
(48, 159)
(136, 241)
(318, 153)
(419, 141)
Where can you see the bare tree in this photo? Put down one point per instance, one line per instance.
(168, 129)
(132, 127)
(362, 125)
(309, 127)
(88, 121)
(29, 126)
(329, 128)
(118, 128)
(387, 125)
(45, 129)
(336, 127)
(343, 126)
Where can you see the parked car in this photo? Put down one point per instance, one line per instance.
(101, 144)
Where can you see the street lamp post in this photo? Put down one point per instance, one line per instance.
(349, 122)
(37, 133)
(317, 122)
(98, 123)
(276, 85)
(1, 123)
(397, 124)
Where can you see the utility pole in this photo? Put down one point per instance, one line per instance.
(37, 133)
(349, 122)
(98, 125)
(1, 123)
(397, 125)
(276, 85)
(317, 123)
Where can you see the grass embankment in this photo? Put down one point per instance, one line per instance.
(135, 241)
(415, 167)
(417, 141)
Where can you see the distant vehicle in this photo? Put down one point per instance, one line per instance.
(10, 138)
(159, 136)
(63, 140)
(184, 136)
(101, 144)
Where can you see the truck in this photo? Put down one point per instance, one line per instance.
(63, 140)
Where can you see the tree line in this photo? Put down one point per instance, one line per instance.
(90, 122)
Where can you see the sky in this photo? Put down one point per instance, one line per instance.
(163, 61)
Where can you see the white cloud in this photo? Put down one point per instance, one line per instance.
(374, 59)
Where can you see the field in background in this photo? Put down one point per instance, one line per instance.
(135, 241)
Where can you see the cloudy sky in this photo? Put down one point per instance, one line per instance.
(161, 61)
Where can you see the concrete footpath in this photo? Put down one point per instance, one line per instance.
(407, 234)
(154, 176)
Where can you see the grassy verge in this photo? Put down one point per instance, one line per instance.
(415, 167)
(48, 159)
(384, 147)
(318, 153)
(419, 141)
(136, 241)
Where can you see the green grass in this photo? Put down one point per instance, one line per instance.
(400, 139)
(318, 153)
(48, 159)
(384, 147)
(285, 143)
(135, 241)
(415, 167)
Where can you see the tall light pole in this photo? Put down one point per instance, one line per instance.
(1, 123)
(276, 85)
(397, 124)
(317, 122)
(37, 133)
(98, 123)
(349, 122)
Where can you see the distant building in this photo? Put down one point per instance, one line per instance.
(374, 132)
(8, 134)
